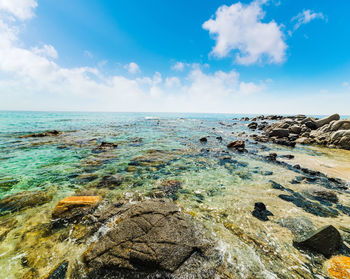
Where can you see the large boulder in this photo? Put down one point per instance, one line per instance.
(150, 237)
(319, 123)
(340, 139)
(327, 241)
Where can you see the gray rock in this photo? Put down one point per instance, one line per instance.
(280, 133)
(327, 120)
(148, 237)
(327, 241)
(295, 129)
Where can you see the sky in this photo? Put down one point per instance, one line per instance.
(254, 56)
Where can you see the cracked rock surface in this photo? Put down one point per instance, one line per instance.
(145, 238)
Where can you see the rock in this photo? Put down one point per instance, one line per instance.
(284, 141)
(327, 241)
(107, 145)
(261, 212)
(311, 124)
(151, 237)
(203, 140)
(288, 156)
(75, 206)
(280, 133)
(22, 200)
(219, 138)
(295, 129)
(271, 156)
(253, 125)
(110, 181)
(238, 144)
(43, 134)
(339, 267)
(299, 226)
(340, 139)
(170, 188)
(59, 272)
(324, 195)
(7, 183)
(304, 140)
(327, 120)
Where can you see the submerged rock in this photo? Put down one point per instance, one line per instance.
(43, 134)
(110, 181)
(59, 272)
(238, 144)
(75, 206)
(23, 200)
(326, 240)
(261, 212)
(170, 188)
(203, 139)
(148, 238)
(7, 183)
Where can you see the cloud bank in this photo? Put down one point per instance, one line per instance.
(31, 79)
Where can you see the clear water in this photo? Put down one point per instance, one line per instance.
(219, 195)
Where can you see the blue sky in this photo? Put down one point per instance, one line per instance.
(263, 56)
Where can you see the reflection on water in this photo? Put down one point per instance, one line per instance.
(218, 186)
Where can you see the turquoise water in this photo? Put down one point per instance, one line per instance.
(152, 148)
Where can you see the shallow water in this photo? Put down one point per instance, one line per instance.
(217, 191)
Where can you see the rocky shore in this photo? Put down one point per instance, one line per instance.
(290, 130)
(225, 202)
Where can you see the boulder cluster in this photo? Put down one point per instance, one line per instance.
(329, 131)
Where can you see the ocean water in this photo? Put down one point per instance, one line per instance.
(219, 186)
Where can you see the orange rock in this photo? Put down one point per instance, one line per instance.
(75, 202)
(339, 267)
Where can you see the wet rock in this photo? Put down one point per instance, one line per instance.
(283, 141)
(203, 140)
(271, 156)
(278, 132)
(295, 129)
(288, 156)
(339, 267)
(6, 225)
(323, 195)
(22, 200)
(327, 120)
(110, 181)
(238, 144)
(253, 125)
(75, 206)
(7, 183)
(326, 241)
(151, 238)
(58, 272)
(261, 212)
(219, 138)
(107, 145)
(299, 226)
(43, 134)
(170, 188)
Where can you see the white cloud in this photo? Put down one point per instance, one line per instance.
(179, 66)
(47, 51)
(132, 68)
(22, 9)
(239, 27)
(305, 17)
(30, 79)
